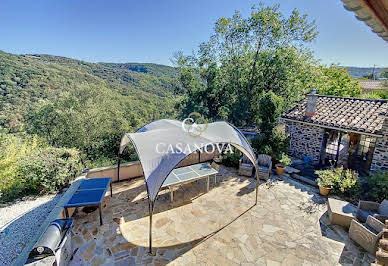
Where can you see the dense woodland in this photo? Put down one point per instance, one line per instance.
(80, 109)
(59, 115)
(72, 103)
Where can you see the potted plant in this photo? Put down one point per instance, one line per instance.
(283, 162)
(325, 182)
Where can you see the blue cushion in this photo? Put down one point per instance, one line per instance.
(383, 209)
(362, 215)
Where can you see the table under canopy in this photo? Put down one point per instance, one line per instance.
(157, 165)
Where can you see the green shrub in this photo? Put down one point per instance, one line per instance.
(33, 168)
(376, 187)
(231, 159)
(343, 182)
(48, 169)
(274, 144)
(284, 159)
(12, 149)
(376, 94)
(269, 109)
(325, 179)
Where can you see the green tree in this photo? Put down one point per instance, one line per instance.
(338, 82)
(29, 166)
(268, 111)
(271, 140)
(369, 76)
(384, 73)
(76, 104)
(376, 94)
(244, 57)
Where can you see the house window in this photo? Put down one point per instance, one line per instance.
(332, 144)
(364, 146)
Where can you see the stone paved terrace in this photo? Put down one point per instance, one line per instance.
(289, 226)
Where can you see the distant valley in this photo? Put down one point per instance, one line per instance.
(359, 72)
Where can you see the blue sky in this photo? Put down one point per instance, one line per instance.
(151, 31)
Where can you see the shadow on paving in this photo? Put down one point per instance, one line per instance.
(171, 252)
(177, 227)
(136, 197)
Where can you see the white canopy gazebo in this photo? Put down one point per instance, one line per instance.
(157, 165)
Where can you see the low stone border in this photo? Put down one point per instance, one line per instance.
(57, 212)
(305, 180)
(127, 171)
(114, 166)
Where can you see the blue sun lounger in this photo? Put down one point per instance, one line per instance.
(91, 192)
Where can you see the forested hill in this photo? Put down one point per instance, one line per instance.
(359, 72)
(154, 78)
(88, 106)
(146, 68)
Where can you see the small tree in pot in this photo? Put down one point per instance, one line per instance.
(283, 162)
(325, 181)
(339, 181)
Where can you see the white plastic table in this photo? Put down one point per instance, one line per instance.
(189, 174)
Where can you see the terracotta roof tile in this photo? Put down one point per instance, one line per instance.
(362, 115)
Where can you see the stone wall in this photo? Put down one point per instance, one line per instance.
(304, 140)
(380, 156)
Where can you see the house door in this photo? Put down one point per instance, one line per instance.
(361, 152)
(330, 147)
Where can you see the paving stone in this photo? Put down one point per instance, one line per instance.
(127, 246)
(125, 262)
(121, 254)
(76, 240)
(107, 252)
(99, 250)
(270, 229)
(272, 263)
(97, 261)
(116, 249)
(162, 221)
(288, 226)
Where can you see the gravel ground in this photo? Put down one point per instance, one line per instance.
(19, 222)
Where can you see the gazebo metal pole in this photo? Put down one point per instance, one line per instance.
(151, 210)
(118, 167)
(257, 184)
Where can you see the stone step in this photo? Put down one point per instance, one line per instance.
(382, 257)
(383, 244)
(290, 170)
(305, 180)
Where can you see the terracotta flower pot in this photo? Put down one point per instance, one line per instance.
(324, 191)
(280, 168)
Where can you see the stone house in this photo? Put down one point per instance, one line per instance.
(348, 132)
